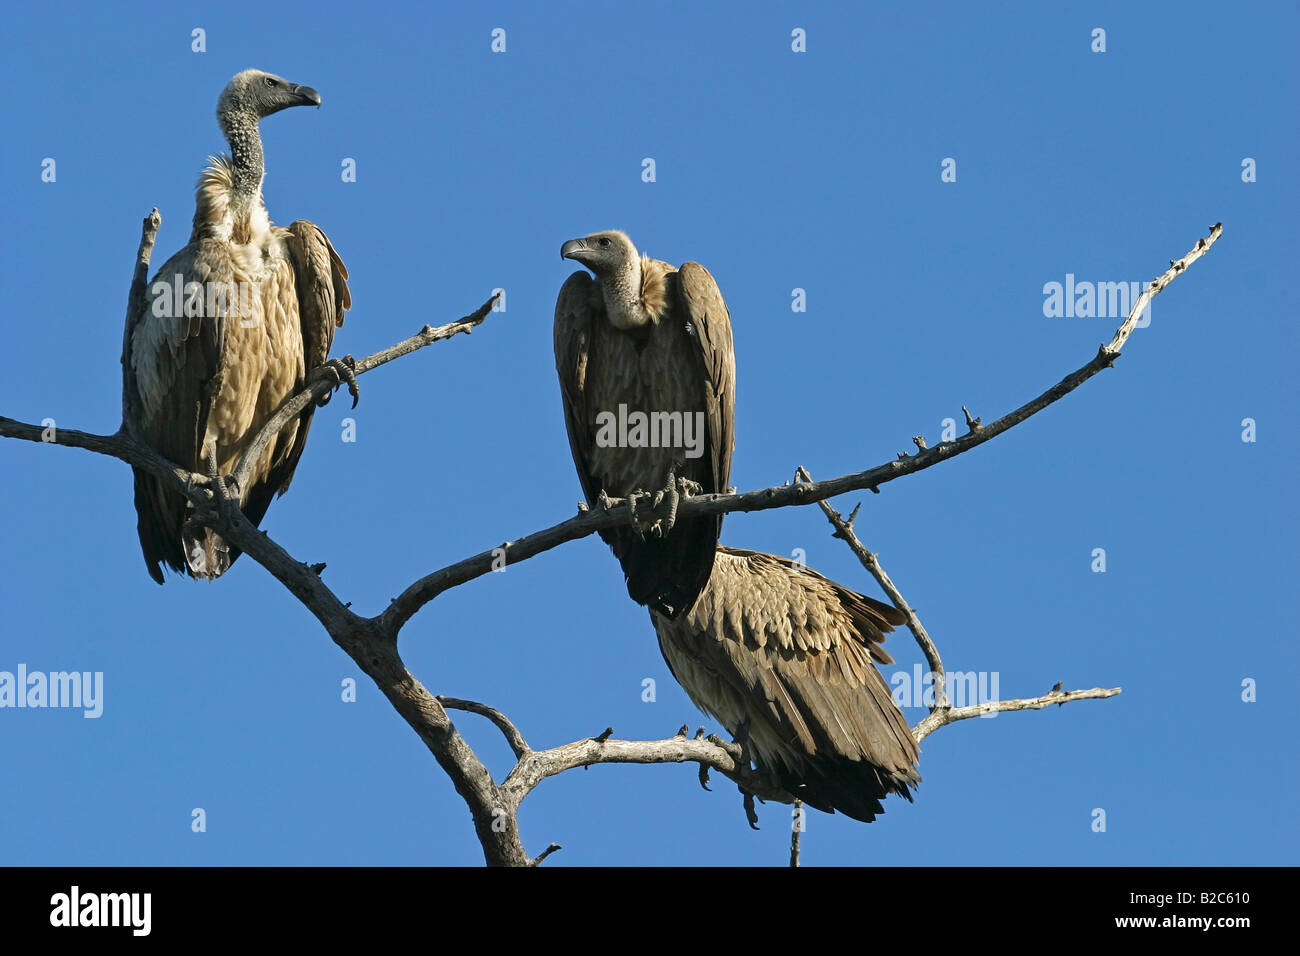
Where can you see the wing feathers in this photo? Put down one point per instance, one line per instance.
(781, 649)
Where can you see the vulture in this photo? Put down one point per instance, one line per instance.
(786, 660)
(230, 327)
(647, 375)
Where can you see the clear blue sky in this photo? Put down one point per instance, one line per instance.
(777, 170)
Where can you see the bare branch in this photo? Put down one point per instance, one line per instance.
(710, 752)
(545, 853)
(942, 712)
(117, 445)
(796, 829)
(941, 718)
(135, 303)
(844, 531)
(617, 513)
(508, 729)
(375, 652)
(322, 381)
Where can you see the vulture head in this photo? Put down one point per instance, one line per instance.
(606, 253)
(254, 94)
(633, 284)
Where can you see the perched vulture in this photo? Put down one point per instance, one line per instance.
(231, 325)
(647, 375)
(786, 660)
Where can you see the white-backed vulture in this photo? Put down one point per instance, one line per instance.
(786, 660)
(647, 375)
(231, 325)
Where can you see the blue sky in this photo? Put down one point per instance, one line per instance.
(777, 170)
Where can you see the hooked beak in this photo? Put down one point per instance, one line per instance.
(570, 249)
(306, 95)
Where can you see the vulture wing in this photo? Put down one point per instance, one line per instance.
(321, 286)
(709, 329)
(576, 313)
(790, 655)
(177, 363)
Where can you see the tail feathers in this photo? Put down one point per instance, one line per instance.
(170, 537)
(853, 787)
(667, 575)
(207, 554)
(670, 596)
(159, 514)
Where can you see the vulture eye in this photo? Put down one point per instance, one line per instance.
(604, 242)
(270, 81)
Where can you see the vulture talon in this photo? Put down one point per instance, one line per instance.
(342, 372)
(687, 488)
(663, 504)
(221, 502)
(669, 497)
(751, 814)
(634, 501)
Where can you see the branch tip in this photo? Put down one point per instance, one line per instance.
(545, 853)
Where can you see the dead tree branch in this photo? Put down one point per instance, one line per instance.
(941, 711)
(322, 381)
(585, 522)
(513, 737)
(844, 531)
(710, 752)
(135, 302)
(941, 718)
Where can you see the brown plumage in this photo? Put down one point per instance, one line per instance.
(231, 325)
(646, 337)
(787, 659)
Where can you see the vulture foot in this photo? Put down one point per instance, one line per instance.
(220, 495)
(664, 503)
(222, 503)
(751, 814)
(635, 502)
(340, 372)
